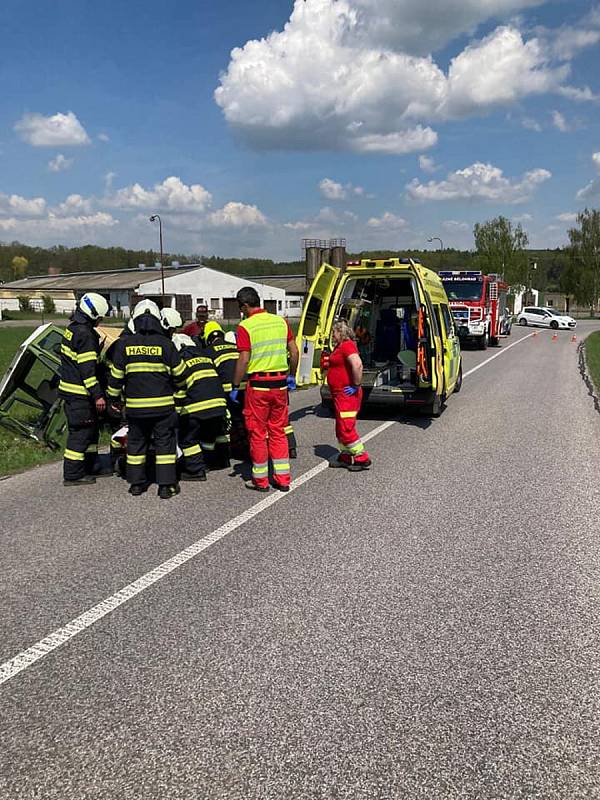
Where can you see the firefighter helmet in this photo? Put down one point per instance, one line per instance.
(131, 326)
(181, 340)
(94, 306)
(210, 329)
(146, 307)
(170, 318)
(230, 337)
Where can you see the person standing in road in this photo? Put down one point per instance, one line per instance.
(147, 368)
(196, 327)
(265, 342)
(344, 378)
(81, 390)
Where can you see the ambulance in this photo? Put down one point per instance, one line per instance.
(404, 329)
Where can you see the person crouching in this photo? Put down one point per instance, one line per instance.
(202, 408)
(344, 378)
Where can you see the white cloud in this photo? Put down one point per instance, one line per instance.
(559, 121)
(170, 195)
(584, 95)
(108, 181)
(237, 215)
(104, 137)
(18, 206)
(454, 225)
(52, 224)
(343, 74)
(59, 130)
(427, 164)
(569, 217)
(479, 182)
(596, 160)
(297, 226)
(59, 163)
(568, 42)
(591, 190)
(332, 190)
(74, 204)
(531, 124)
(389, 221)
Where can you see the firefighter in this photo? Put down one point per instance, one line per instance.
(80, 389)
(202, 407)
(265, 341)
(115, 418)
(171, 320)
(224, 356)
(147, 368)
(344, 377)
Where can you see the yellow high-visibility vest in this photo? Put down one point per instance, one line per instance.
(268, 341)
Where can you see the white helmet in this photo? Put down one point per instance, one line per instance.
(131, 326)
(170, 318)
(230, 337)
(93, 305)
(181, 340)
(146, 307)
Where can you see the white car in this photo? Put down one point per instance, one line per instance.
(546, 318)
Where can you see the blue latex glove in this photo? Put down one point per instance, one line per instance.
(233, 395)
(350, 390)
(291, 383)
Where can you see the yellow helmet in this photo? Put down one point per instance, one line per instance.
(211, 327)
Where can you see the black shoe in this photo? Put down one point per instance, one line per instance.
(85, 481)
(103, 473)
(293, 452)
(358, 466)
(280, 487)
(337, 463)
(137, 489)
(253, 487)
(196, 476)
(167, 492)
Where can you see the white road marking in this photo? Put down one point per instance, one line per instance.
(28, 657)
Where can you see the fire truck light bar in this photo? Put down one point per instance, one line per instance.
(460, 275)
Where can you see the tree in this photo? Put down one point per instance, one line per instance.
(501, 249)
(19, 266)
(584, 251)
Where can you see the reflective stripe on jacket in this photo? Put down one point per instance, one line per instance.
(203, 395)
(224, 356)
(268, 341)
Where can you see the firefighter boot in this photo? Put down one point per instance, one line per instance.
(84, 481)
(166, 492)
(193, 476)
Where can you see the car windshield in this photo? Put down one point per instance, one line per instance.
(463, 290)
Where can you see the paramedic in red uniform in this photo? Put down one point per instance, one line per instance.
(344, 378)
(265, 342)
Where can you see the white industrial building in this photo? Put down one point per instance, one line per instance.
(185, 287)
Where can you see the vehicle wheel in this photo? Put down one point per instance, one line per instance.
(433, 409)
(523, 322)
(459, 380)
(483, 341)
(554, 325)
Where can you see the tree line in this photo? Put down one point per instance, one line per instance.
(500, 247)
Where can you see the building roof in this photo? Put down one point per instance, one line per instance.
(292, 284)
(102, 280)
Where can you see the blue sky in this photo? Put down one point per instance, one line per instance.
(382, 121)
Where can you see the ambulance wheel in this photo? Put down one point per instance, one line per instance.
(459, 380)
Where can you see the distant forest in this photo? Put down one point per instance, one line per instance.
(550, 263)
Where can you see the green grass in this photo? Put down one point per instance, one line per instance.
(592, 355)
(16, 452)
(32, 316)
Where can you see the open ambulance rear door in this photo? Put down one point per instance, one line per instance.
(313, 333)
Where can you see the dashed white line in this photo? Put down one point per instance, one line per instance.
(28, 657)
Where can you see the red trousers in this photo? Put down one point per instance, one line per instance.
(266, 416)
(346, 410)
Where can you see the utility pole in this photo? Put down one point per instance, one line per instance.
(153, 218)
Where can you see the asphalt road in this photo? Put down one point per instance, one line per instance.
(429, 629)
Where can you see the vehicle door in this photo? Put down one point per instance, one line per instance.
(430, 370)
(313, 332)
(450, 347)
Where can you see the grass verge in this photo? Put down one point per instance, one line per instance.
(16, 452)
(592, 356)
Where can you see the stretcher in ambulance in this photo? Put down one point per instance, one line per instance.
(404, 330)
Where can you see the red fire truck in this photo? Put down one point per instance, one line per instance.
(478, 305)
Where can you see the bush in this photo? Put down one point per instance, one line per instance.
(24, 301)
(49, 307)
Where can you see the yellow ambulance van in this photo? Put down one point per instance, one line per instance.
(404, 332)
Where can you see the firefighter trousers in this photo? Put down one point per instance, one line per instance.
(81, 451)
(266, 415)
(346, 410)
(161, 431)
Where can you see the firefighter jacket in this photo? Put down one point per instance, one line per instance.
(147, 369)
(79, 354)
(224, 356)
(109, 356)
(203, 395)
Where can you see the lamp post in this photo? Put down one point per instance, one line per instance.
(153, 218)
(436, 238)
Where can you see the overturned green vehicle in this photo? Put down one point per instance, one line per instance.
(29, 401)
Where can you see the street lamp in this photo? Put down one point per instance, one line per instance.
(436, 238)
(153, 218)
